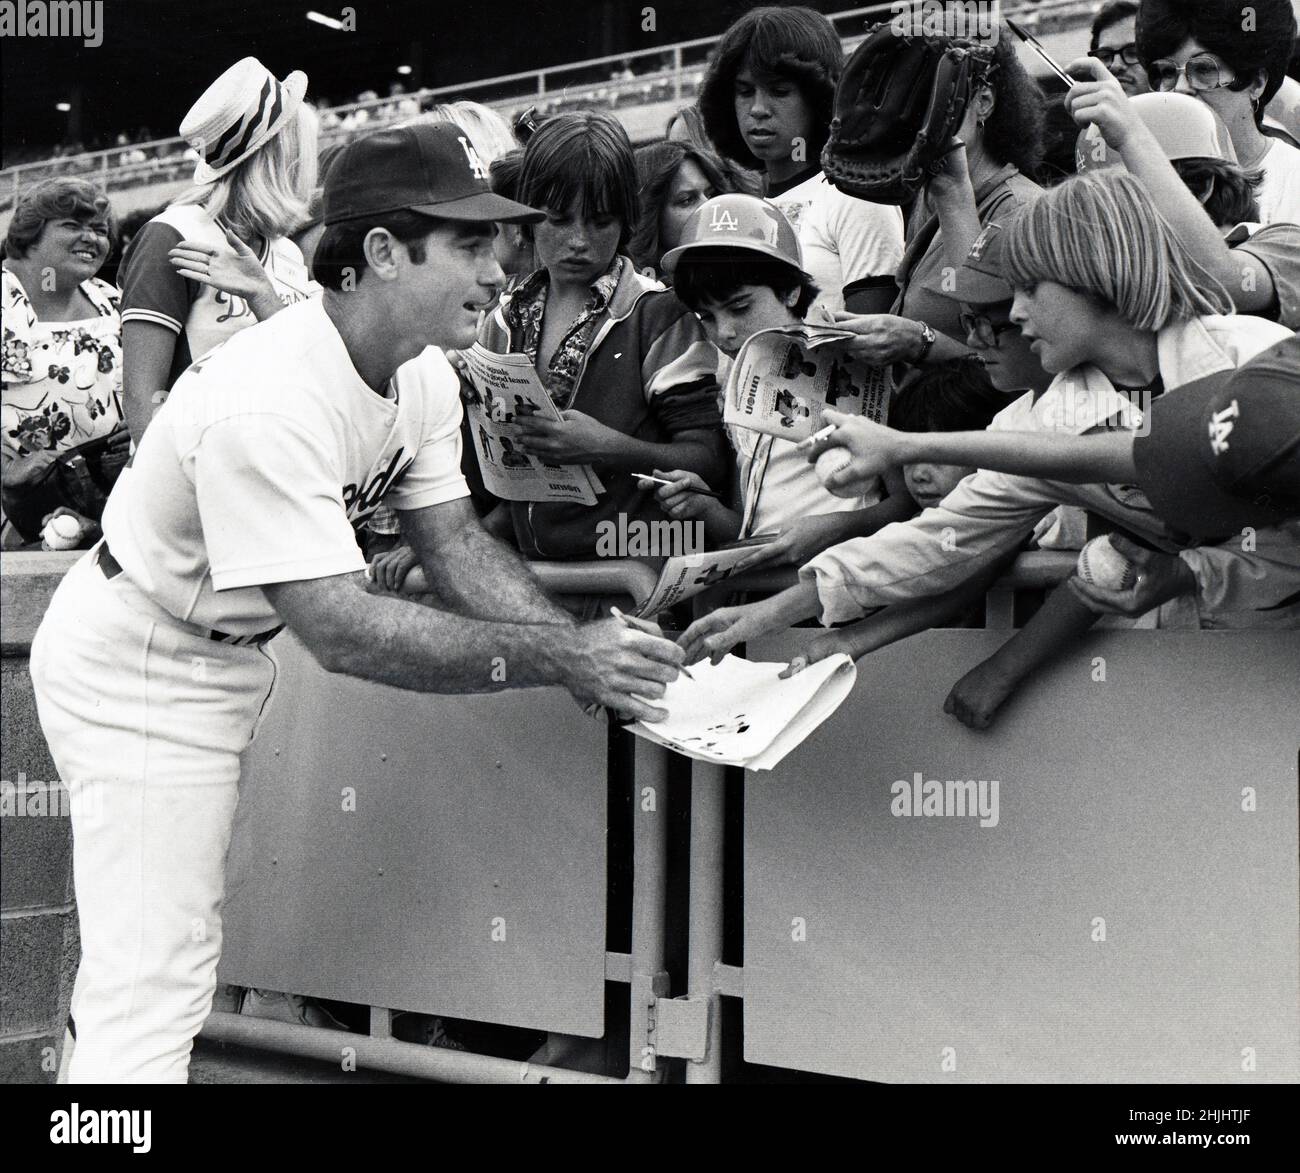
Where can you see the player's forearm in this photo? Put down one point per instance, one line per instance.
(1098, 459)
(393, 641)
(480, 576)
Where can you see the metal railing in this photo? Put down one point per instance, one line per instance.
(552, 89)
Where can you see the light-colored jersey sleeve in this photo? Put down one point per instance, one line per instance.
(986, 516)
(435, 475)
(270, 503)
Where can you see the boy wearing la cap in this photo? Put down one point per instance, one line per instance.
(740, 268)
(237, 517)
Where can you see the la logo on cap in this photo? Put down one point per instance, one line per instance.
(475, 163)
(723, 221)
(1220, 428)
(981, 242)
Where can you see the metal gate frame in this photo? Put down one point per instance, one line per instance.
(642, 970)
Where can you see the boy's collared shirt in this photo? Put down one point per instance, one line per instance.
(990, 513)
(527, 307)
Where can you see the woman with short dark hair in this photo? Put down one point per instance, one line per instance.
(673, 179)
(1208, 49)
(767, 100)
(62, 367)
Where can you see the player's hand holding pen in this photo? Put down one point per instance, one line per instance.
(623, 664)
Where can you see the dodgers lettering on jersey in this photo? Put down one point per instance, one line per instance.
(265, 457)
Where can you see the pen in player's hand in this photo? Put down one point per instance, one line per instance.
(628, 621)
(645, 476)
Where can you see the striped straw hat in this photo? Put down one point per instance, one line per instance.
(244, 108)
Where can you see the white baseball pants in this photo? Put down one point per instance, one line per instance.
(146, 720)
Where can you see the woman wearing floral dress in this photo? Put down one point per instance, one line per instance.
(62, 364)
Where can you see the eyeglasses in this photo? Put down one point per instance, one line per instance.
(1203, 72)
(984, 331)
(1127, 54)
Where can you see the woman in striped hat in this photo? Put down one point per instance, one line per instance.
(219, 258)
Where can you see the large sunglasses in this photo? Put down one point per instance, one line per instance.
(985, 331)
(1127, 54)
(1203, 72)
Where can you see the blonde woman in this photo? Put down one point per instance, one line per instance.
(488, 132)
(1114, 308)
(219, 258)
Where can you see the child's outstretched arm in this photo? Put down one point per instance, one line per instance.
(977, 696)
(898, 620)
(721, 630)
(807, 537)
(1100, 458)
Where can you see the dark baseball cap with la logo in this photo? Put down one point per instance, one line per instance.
(430, 168)
(1223, 452)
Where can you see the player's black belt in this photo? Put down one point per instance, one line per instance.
(112, 568)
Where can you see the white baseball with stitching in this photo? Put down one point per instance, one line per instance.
(1103, 566)
(830, 462)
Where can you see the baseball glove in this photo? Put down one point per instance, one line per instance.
(898, 104)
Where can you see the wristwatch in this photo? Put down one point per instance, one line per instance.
(927, 337)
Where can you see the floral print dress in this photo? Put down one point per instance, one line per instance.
(62, 381)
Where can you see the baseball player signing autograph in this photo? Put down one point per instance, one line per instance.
(235, 518)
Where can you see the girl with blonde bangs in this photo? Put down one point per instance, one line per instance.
(1099, 235)
(269, 194)
(220, 257)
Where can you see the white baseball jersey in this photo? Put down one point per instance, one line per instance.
(202, 317)
(264, 458)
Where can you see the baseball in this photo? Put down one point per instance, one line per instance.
(1103, 566)
(831, 461)
(62, 532)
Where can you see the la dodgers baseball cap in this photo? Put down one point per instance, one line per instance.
(1224, 451)
(430, 168)
(980, 279)
(736, 221)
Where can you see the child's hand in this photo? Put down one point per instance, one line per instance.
(872, 447)
(1160, 577)
(977, 696)
(389, 569)
(1100, 99)
(579, 439)
(829, 643)
(721, 630)
(677, 500)
(795, 544)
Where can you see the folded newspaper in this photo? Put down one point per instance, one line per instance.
(740, 713)
(506, 388)
(782, 380)
(684, 576)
